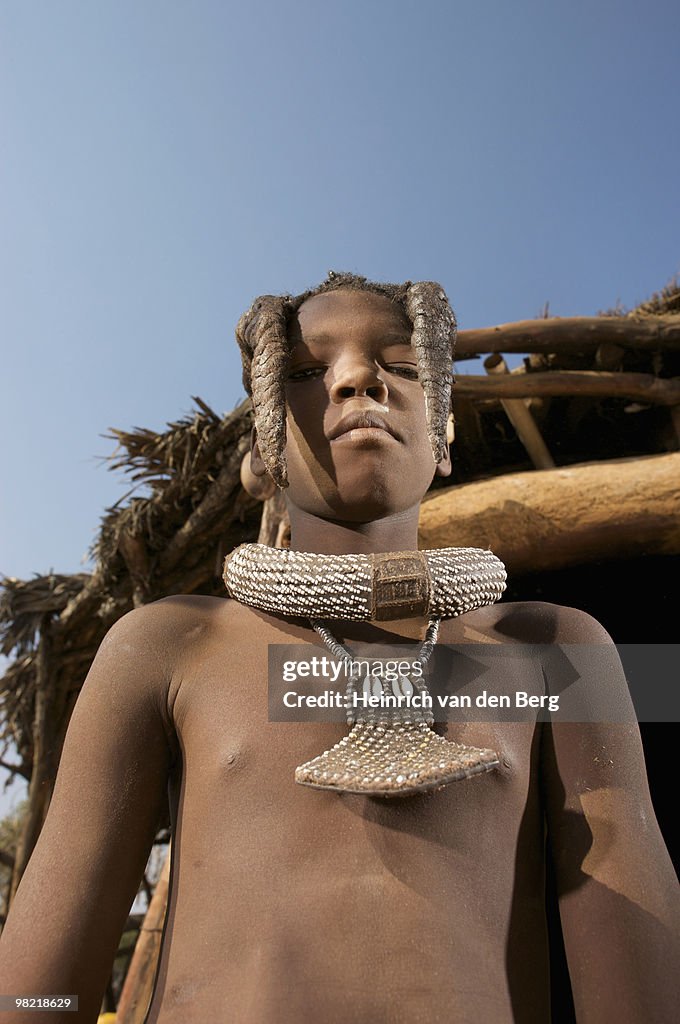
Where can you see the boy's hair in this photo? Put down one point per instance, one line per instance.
(262, 335)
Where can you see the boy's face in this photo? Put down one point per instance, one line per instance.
(357, 447)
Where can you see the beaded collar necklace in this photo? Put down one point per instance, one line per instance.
(391, 749)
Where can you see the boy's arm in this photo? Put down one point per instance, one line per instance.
(69, 911)
(618, 895)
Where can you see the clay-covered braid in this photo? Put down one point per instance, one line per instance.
(434, 331)
(262, 335)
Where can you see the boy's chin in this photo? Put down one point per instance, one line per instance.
(359, 497)
(359, 508)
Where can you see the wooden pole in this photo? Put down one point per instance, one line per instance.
(675, 420)
(44, 754)
(209, 512)
(138, 986)
(275, 524)
(520, 416)
(136, 557)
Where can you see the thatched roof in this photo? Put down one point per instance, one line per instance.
(171, 539)
(598, 388)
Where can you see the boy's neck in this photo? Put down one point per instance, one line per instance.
(398, 532)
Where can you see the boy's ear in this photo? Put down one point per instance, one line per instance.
(256, 463)
(444, 467)
(254, 476)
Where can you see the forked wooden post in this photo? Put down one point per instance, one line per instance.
(138, 986)
(44, 754)
(520, 416)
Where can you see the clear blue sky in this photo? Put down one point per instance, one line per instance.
(164, 162)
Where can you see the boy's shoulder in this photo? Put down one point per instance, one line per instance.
(580, 661)
(546, 623)
(151, 647)
(181, 624)
(178, 619)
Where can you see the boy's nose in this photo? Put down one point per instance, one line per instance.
(358, 380)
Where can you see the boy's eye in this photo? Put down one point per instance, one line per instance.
(407, 370)
(305, 372)
(404, 370)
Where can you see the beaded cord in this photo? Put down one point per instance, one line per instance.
(336, 648)
(397, 688)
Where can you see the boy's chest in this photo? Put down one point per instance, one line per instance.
(239, 763)
(238, 694)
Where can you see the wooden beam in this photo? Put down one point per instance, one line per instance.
(637, 387)
(553, 518)
(573, 334)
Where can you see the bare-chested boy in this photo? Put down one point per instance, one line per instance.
(294, 905)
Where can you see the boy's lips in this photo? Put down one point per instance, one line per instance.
(361, 421)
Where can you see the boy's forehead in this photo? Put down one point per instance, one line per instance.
(333, 315)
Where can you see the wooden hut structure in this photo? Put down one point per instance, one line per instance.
(567, 467)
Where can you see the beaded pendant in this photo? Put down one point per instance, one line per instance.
(391, 750)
